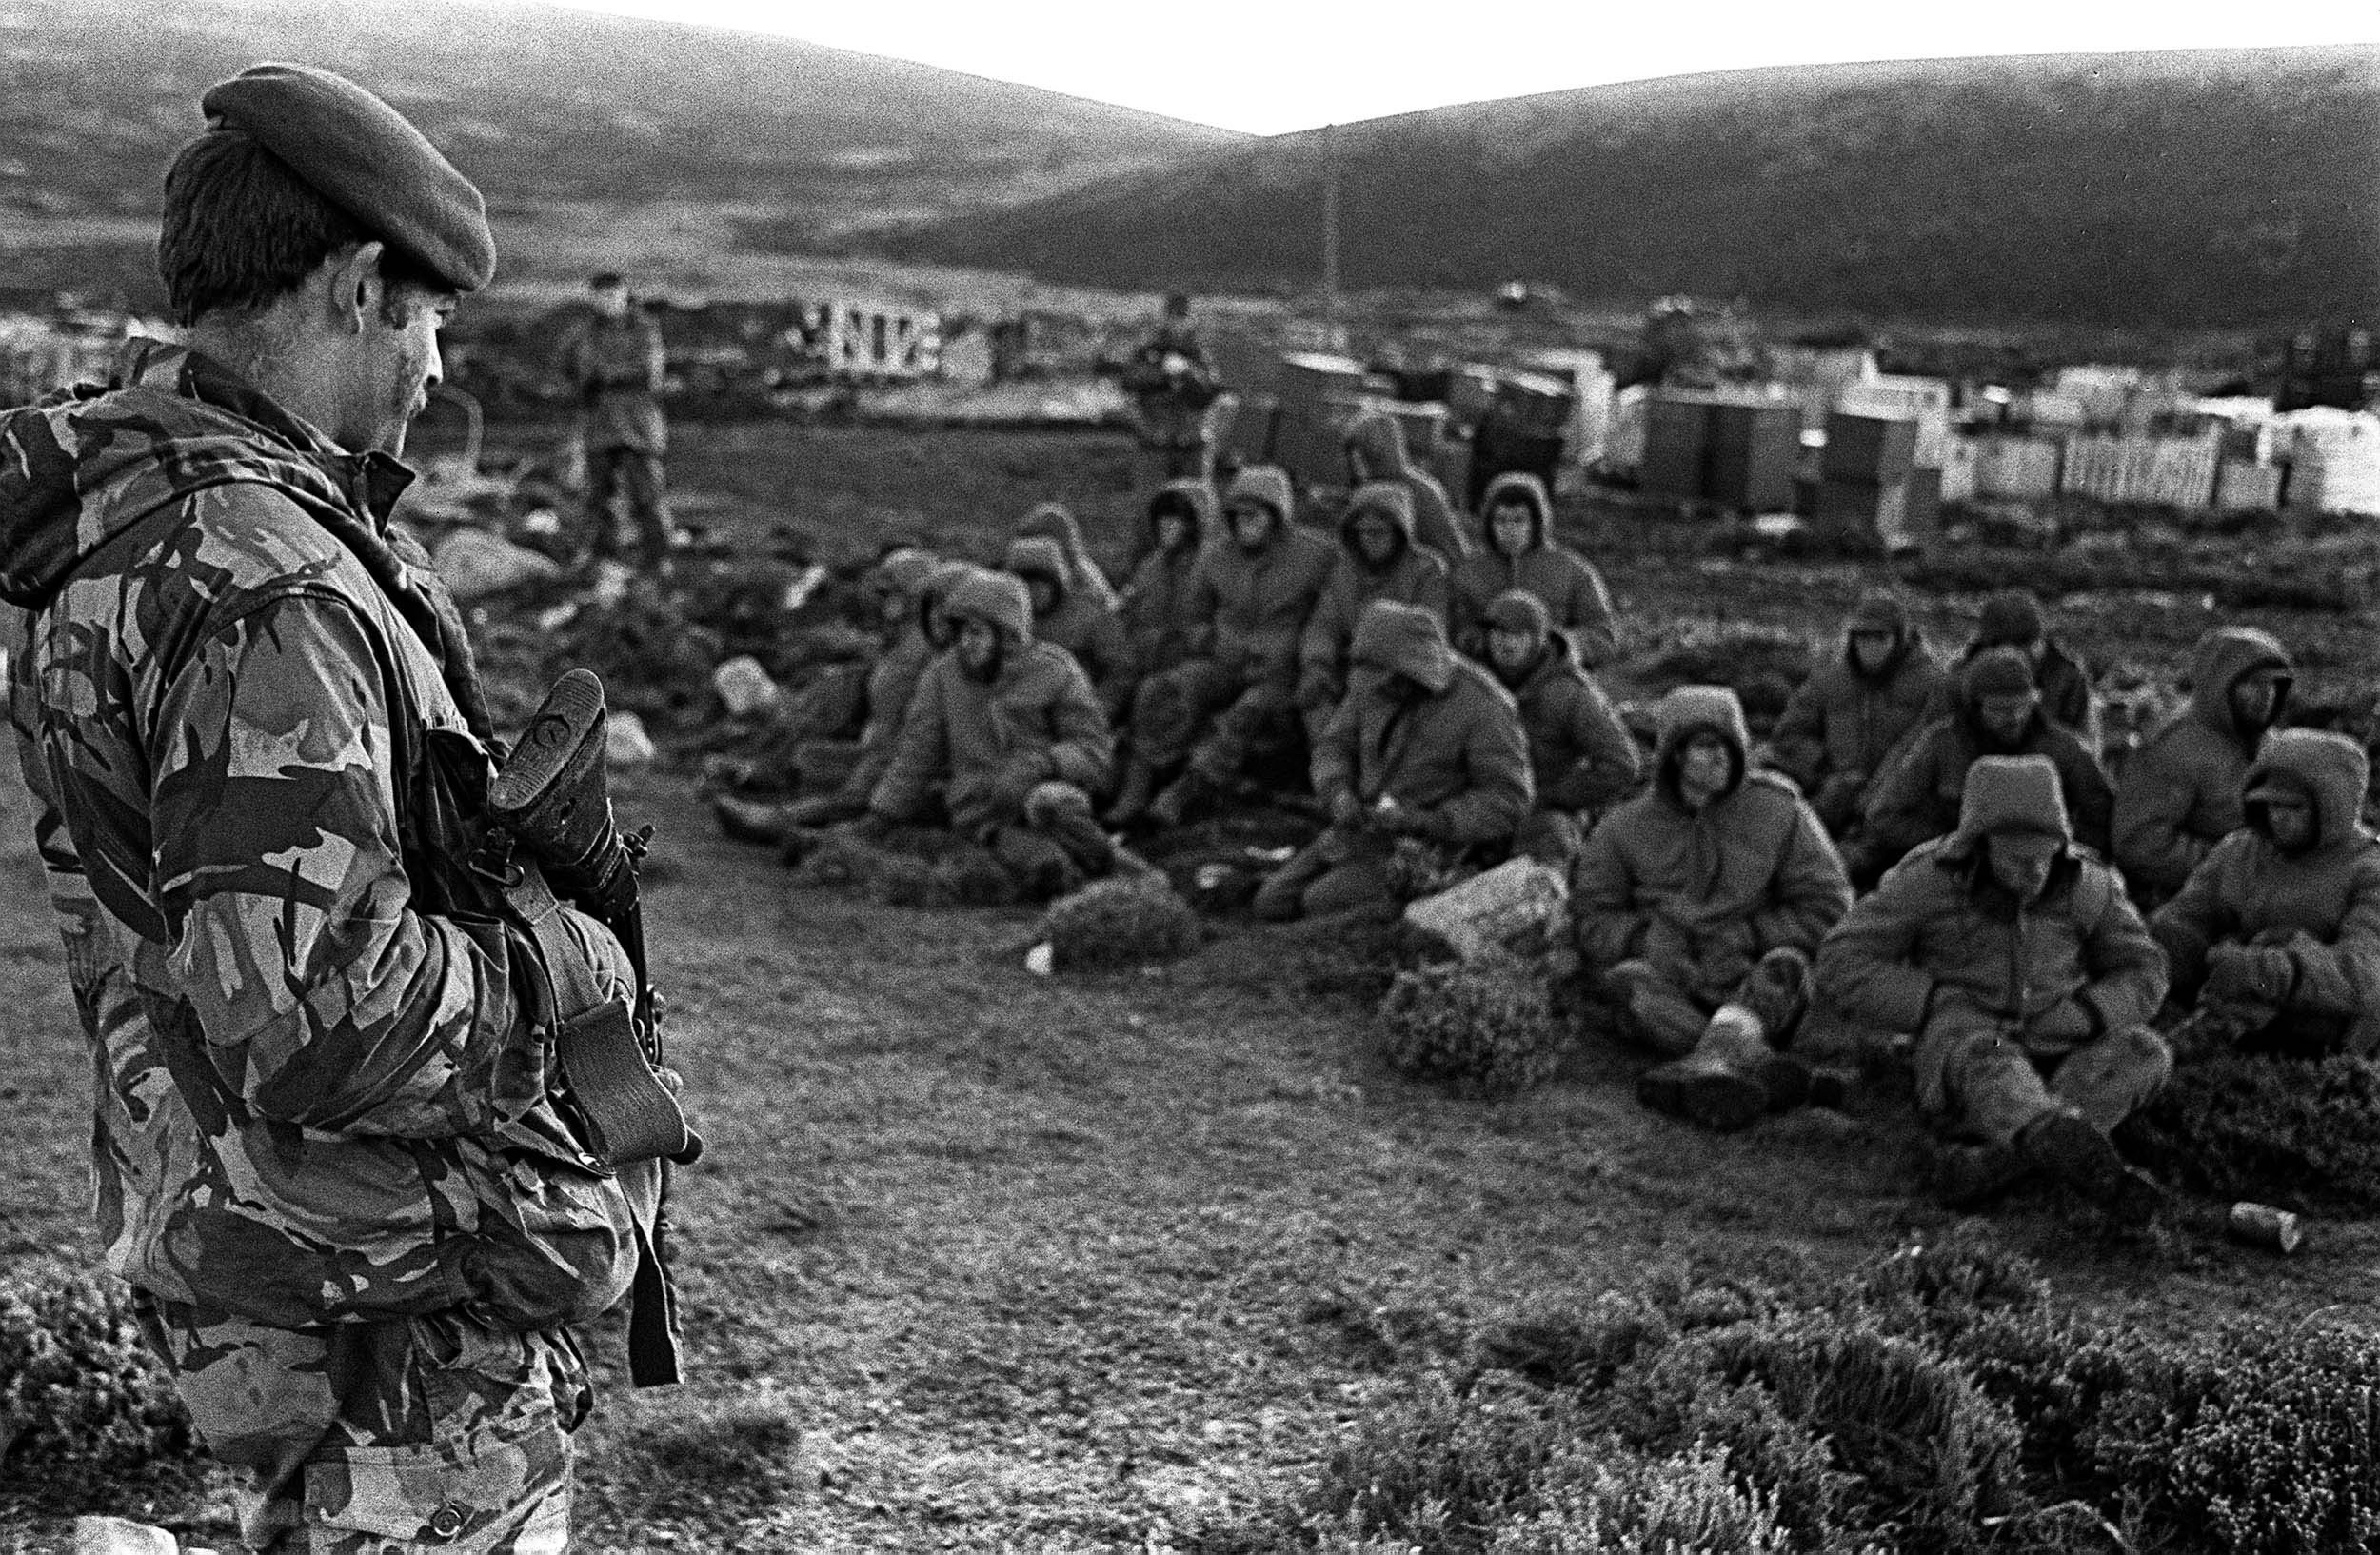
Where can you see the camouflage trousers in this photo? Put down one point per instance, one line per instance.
(435, 1432)
(636, 474)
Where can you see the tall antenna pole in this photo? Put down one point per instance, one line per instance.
(1330, 233)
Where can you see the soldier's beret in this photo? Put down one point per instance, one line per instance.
(367, 159)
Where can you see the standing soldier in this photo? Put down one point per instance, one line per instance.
(614, 360)
(1173, 389)
(355, 1226)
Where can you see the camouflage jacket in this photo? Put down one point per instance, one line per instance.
(315, 1101)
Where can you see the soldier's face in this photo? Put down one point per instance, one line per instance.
(1868, 650)
(1044, 594)
(2020, 862)
(1376, 538)
(2289, 820)
(1510, 651)
(1703, 769)
(613, 302)
(1251, 524)
(2004, 715)
(1511, 523)
(979, 649)
(1171, 531)
(2255, 698)
(394, 362)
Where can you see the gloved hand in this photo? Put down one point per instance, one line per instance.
(1406, 820)
(2068, 1022)
(1346, 810)
(1017, 777)
(2259, 974)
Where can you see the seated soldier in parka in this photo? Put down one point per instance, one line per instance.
(1999, 715)
(2014, 618)
(1376, 451)
(1426, 745)
(2276, 935)
(1012, 730)
(1517, 524)
(1159, 609)
(1681, 892)
(1066, 615)
(897, 587)
(1250, 596)
(1055, 521)
(2180, 793)
(1855, 713)
(2028, 978)
(1379, 559)
(1581, 757)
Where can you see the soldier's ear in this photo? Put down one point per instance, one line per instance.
(357, 287)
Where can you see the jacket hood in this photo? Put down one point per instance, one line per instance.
(1517, 610)
(903, 573)
(997, 599)
(1516, 486)
(1881, 609)
(2225, 657)
(1034, 557)
(2329, 769)
(82, 467)
(1195, 499)
(2012, 615)
(1405, 639)
(1054, 521)
(1392, 502)
(1380, 438)
(1995, 671)
(1695, 709)
(1267, 483)
(2012, 793)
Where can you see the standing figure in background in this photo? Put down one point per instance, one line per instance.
(1172, 384)
(614, 359)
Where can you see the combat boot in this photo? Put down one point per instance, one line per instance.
(1720, 1085)
(2066, 1146)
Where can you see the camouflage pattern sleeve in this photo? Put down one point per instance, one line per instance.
(324, 999)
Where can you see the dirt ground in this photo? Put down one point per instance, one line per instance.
(982, 1261)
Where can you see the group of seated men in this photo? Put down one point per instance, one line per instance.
(1443, 694)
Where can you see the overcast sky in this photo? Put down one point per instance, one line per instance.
(1270, 66)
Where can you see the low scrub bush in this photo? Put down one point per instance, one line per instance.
(83, 1402)
(2300, 1133)
(1481, 1028)
(1124, 921)
(1939, 1401)
(1729, 656)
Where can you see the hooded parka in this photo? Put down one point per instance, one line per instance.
(1844, 727)
(1160, 603)
(1378, 439)
(1252, 606)
(1035, 721)
(1577, 601)
(1414, 574)
(1092, 633)
(1702, 895)
(2179, 794)
(2322, 905)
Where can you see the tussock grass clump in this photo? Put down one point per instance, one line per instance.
(82, 1402)
(1938, 1401)
(1481, 1028)
(1729, 656)
(1126, 922)
(2290, 1131)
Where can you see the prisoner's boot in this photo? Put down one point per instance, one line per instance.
(1133, 802)
(751, 820)
(1721, 1084)
(2063, 1145)
(1184, 794)
(1965, 1175)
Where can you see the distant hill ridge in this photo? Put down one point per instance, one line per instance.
(544, 106)
(2220, 187)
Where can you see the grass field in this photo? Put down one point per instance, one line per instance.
(984, 1261)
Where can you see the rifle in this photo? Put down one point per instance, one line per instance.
(550, 798)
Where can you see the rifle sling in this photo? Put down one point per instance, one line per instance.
(632, 1119)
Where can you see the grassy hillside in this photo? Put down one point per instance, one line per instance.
(2216, 187)
(556, 113)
